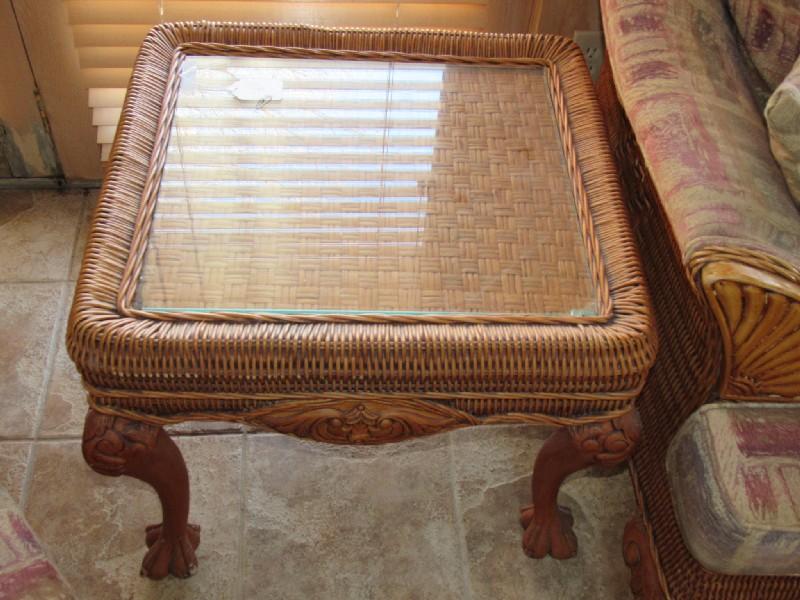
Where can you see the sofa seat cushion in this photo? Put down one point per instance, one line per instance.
(734, 475)
(770, 32)
(681, 79)
(783, 121)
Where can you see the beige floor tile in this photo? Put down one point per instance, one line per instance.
(327, 521)
(92, 526)
(26, 329)
(65, 402)
(492, 467)
(13, 460)
(37, 234)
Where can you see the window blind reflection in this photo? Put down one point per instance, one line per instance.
(325, 185)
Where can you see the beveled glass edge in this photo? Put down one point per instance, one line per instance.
(577, 312)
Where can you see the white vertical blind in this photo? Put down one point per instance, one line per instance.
(107, 33)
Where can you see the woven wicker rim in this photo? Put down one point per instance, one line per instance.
(547, 366)
(131, 276)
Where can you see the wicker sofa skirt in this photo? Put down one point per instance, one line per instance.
(682, 379)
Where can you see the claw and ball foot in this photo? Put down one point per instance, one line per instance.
(548, 527)
(115, 446)
(552, 536)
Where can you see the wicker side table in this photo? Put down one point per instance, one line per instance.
(359, 236)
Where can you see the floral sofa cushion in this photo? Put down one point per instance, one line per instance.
(680, 79)
(783, 120)
(734, 475)
(770, 31)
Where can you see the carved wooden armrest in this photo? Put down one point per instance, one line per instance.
(759, 316)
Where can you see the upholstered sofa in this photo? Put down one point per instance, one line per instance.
(683, 89)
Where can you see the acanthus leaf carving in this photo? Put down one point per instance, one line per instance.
(366, 421)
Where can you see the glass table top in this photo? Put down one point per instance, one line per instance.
(340, 186)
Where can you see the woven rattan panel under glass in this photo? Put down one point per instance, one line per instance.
(315, 185)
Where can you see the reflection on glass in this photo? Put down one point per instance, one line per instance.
(322, 185)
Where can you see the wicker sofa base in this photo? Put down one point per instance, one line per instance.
(681, 380)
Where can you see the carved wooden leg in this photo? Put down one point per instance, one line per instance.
(117, 446)
(640, 560)
(548, 527)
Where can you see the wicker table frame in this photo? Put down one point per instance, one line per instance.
(354, 378)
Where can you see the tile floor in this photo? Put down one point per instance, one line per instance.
(282, 518)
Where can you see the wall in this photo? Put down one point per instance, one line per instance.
(25, 146)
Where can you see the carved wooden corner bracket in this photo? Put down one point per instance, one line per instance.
(638, 555)
(759, 316)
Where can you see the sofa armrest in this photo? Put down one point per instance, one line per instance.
(758, 311)
(703, 143)
(680, 78)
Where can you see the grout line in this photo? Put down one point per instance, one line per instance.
(26, 479)
(16, 441)
(71, 437)
(67, 437)
(460, 532)
(76, 240)
(59, 329)
(42, 400)
(29, 281)
(242, 517)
